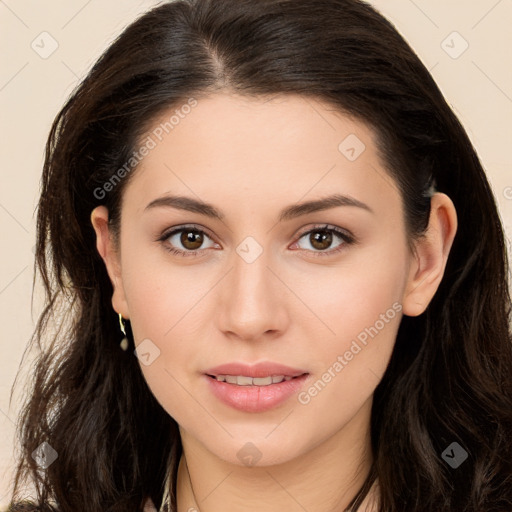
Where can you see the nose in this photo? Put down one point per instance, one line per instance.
(252, 300)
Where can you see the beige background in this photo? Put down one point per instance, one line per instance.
(477, 83)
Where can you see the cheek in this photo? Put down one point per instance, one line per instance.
(160, 293)
(166, 308)
(360, 305)
(347, 366)
(352, 296)
(162, 310)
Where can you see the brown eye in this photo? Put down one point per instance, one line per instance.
(186, 241)
(191, 239)
(320, 240)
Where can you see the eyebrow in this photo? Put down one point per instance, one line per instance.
(296, 210)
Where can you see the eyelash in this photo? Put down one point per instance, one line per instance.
(347, 238)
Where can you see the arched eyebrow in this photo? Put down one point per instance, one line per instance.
(324, 203)
(290, 212)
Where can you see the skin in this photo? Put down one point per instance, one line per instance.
(251, 157)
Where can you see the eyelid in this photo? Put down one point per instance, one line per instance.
(343, 233)
(168, 232)
(176, 229)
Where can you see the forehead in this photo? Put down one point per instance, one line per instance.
(262, 148)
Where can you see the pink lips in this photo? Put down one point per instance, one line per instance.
(254, 398)
(263, 369)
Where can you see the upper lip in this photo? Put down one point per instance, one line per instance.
(262, 369)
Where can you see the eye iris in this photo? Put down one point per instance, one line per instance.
(322, 237)
(191, 237)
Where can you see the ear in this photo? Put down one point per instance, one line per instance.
(110, 255)
(430, 256)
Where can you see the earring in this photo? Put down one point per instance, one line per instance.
(124, 341)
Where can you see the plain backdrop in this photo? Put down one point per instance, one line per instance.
(47, 47)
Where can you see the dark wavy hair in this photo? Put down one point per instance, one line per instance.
(449, 378)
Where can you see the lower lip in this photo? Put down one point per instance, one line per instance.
(255, 398)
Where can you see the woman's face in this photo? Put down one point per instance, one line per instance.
(268, 281)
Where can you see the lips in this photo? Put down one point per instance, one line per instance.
(255, 399)
(251, 388)
(258, 370)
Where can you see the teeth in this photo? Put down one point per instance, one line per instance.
(242, 380)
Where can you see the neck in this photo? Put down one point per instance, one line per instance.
(326, 478)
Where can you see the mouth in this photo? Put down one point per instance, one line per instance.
(244, 380)
(255, 394)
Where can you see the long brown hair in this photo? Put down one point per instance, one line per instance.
(449, 378)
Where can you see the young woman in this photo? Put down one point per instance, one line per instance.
(276, 277)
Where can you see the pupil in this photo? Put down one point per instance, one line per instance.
(323, 238)
(191, 237)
